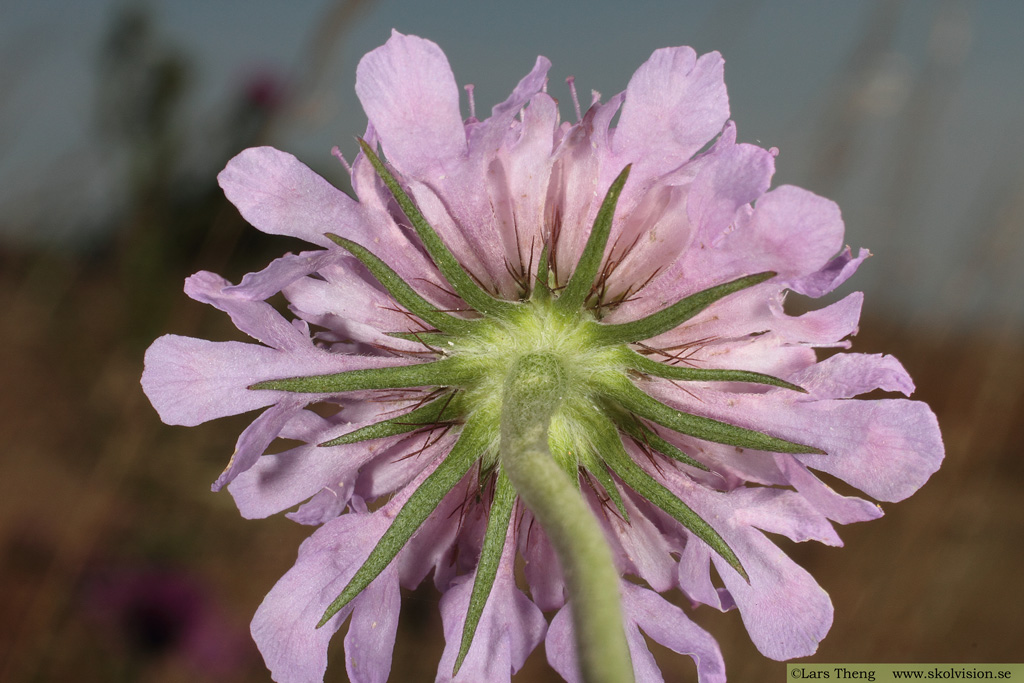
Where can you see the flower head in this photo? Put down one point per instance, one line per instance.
(608, 301)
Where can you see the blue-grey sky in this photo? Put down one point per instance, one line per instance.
(906, 113)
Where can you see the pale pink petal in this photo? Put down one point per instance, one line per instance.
(409, 93)
(668, 625)
(792, 232)
(833, 274)
(282, 272)
(370, 639)
(489, 135)
(838, 508)
(520, 200)
(547, 588)
(256, 437)
(284, 626)
(784, 610)
(887, 448)
(642, 549)
(190, 381)
(510, 627)
(280, 481)
(643, 610)
(729, 177)
(846, 375)
(577, 190)
(675, 104)
(280, 195)
(258, 319)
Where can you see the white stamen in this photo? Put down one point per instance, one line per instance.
(472, 103)
(336, 153)
(575, 100)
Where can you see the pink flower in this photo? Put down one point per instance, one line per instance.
(653, 273)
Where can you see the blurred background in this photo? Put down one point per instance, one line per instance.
(118, 564)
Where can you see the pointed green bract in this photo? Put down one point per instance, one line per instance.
(541, 291)
(676, 314)
(490, 558)
(637, 479)
(632, 426)
(447, 407)
(582, 279)
(440, 373)
(427, 338)
(461, 282)
(688, 374)
(622, 391)
(597, 469)
(475, 438)
(402, 292)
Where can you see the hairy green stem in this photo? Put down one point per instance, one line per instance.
(533, 390)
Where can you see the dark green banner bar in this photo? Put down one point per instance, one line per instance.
(893, 673)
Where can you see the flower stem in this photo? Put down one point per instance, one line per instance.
(533, 390)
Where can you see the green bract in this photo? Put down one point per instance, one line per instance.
(587, 405)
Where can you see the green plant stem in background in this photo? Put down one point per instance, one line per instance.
(533, 391)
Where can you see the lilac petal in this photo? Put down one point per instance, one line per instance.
(642, 548)
(828, 326)
(190, 381)
(575, 197)
(257, 319)
(352, 309)
(392, 469)
(785, 611)
(729, 177)
(456, 212)
(370, 640)
(328, 503)
(664, 622)
(463, 211)
(833, 274)
(649, 239)
(753, 320)
(433, 545)
(792, 231)
(846, 375)
(668, 625)
(547, 588)
(675, 103)
(254, 440)
(280, 195)
(409, 93)
(489, 135)
(284, 626)
(560, 646)
(510, 627)
(281, 272)
(519, 188)
(279, 481)
(344, 293)
(887, 448)
(719, 182)
(841, 509)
